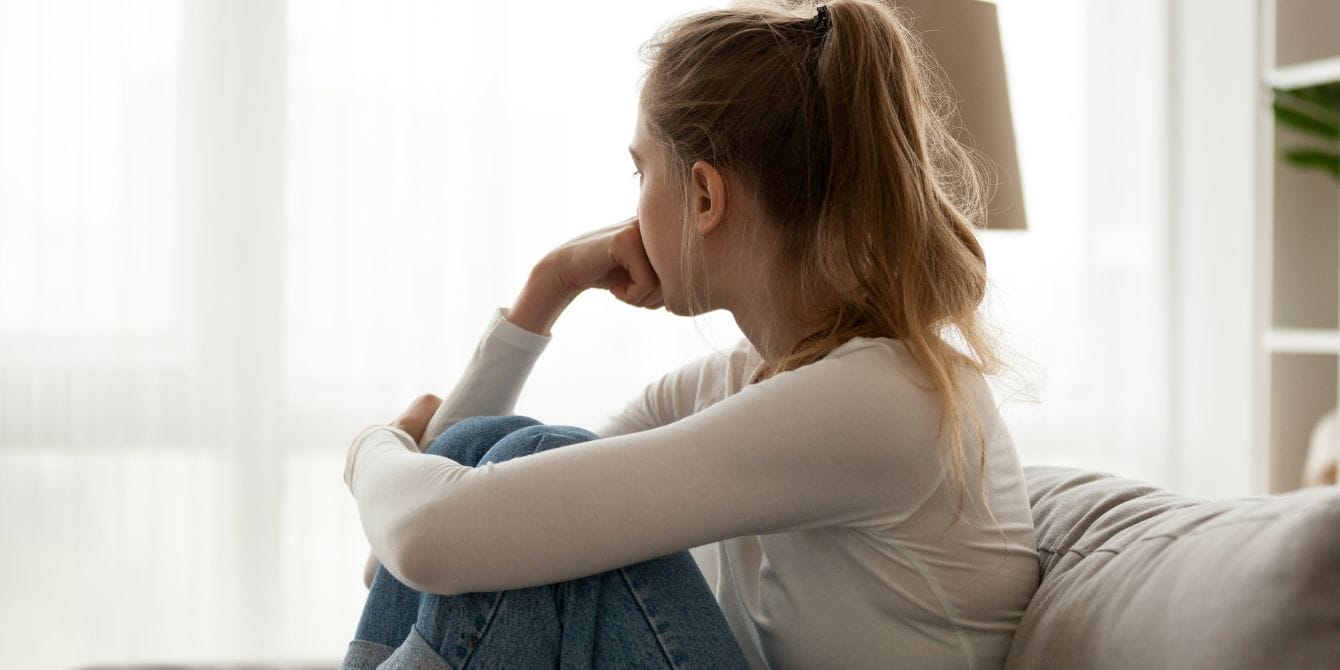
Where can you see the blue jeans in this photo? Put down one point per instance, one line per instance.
(659, 613)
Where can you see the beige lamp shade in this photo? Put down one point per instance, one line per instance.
(964, 37)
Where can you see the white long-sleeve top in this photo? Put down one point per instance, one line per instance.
(813, 502)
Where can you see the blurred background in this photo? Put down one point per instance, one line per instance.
(235, 232)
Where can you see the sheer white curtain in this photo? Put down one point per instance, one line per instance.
(234, 233)
(1084, 294)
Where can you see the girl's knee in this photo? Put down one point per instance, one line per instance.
(535, 438)
(478, 429)
(500, 425)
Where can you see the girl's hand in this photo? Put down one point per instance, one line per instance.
(415, 419)
(611, 258)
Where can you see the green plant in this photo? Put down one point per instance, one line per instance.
(1314, 110)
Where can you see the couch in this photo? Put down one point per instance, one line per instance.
(1134, 576)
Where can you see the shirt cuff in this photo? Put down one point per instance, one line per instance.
(502, 329)
(378, 434)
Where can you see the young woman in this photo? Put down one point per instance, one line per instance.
(850, 494)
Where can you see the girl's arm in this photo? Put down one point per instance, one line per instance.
(370, 569)
(612, 258)
(845, 441)
(494, 375)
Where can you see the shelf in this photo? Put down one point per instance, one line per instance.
(1299, 235)
(1302, 341)
(1302, 390)
(1302, 31)
(1310, 73)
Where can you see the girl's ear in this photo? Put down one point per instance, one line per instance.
(709, 196)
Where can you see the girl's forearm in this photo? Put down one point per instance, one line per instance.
(541, 300)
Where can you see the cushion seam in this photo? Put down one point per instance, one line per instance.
(1083, 552)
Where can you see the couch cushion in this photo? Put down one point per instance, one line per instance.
(1137, 576)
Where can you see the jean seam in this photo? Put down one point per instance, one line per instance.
(448, 643)
(535, 449)
(646, 614)
(484, 631)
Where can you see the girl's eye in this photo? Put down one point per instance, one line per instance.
(636, 174)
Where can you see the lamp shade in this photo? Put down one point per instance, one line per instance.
(964, 38)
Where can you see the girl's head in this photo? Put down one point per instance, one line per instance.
(816, 175)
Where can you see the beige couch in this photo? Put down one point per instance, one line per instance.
(1138, 577)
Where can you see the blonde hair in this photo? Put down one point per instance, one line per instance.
(846, 142)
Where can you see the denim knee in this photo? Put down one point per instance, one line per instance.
(486, 430)
(535, 438)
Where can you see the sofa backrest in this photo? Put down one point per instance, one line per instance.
(1134, 576)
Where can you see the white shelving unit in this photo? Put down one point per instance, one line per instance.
(1299, 254)
(1305, 73)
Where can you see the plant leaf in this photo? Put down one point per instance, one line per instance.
(1325, 96)
(1328, 161)
(1305, 122)
(1321, 100)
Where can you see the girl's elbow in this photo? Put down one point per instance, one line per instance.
(424, 559)
(424, 570)
(427, 582)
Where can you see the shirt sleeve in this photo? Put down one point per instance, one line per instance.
(633, 419)
(808, 448)
(683, 391)
(493, 377)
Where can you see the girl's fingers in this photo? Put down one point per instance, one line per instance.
(634, 259)
(651, 299)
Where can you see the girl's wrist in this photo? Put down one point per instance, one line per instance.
(541, 301)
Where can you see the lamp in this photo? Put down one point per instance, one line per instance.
(964, 38)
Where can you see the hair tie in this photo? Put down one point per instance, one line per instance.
(821, 22)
